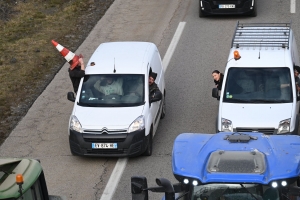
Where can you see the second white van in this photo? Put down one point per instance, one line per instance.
(259, 91)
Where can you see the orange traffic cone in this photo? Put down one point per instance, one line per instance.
(71, 58)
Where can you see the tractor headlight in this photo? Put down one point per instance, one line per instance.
(274, 184)
(283, 183)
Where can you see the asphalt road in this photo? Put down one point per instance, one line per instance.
(203, 47)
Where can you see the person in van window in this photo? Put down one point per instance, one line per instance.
(218, 78)
(154, 92)
(297, 79)
(109, 86)
(77, 73)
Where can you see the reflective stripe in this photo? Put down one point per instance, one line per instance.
(69, 56)
(59, 47)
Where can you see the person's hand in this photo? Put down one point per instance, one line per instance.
(81, 63)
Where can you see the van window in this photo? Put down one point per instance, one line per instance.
(258, 85)
(112, 90)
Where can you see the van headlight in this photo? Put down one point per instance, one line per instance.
(284, 126)
(138, 124)
(75, 124)
(226, 125)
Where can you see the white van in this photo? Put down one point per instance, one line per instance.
(259, 91)
(123, 123)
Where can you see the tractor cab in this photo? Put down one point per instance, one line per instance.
(229, 166)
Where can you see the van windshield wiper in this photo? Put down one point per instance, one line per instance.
(267, 101)
(238, 100)
(87, 104)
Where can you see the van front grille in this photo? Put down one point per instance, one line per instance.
(106, 151)
(267, 131)
(104, 140)
(105, 131)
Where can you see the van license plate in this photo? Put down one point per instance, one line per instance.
(104, 145)
(226, 6)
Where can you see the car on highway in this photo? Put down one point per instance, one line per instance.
(233, 7)
(229, 166)
(115, 114)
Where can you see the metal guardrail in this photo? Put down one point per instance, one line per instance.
(261, 35)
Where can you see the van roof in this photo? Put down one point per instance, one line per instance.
(262, 45)
(264, 57)
(127, 58)
(262, 35)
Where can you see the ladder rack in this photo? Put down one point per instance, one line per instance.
(261, 35)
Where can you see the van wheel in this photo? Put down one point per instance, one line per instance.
(201, 14)
(163, 109)
(73, 153)
(148, 151)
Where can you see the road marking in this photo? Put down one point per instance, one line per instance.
(114, 179)
(293, 6)
(173, 45)
(122, 162)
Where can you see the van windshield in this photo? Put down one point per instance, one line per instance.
(258, 85)
(107, 90)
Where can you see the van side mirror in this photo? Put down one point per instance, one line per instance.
(70, 96)
(138, 186)
(157, 97)
(215, 93)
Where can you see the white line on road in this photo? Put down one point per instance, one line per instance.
(293, 6)
(173, 45)
(114, 179)
(122, 162)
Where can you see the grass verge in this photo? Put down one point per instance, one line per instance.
(28, 60)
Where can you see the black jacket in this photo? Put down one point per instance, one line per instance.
(75, 75)
(154, 93)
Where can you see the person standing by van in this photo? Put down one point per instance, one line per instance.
(77, 73)
(154, 92)
(218, 78)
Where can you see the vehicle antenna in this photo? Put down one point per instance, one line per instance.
(259, 49)
(114, 66)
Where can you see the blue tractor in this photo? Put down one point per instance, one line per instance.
(229, 166)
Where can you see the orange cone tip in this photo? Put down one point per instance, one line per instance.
(236, 55)
(71, 58)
